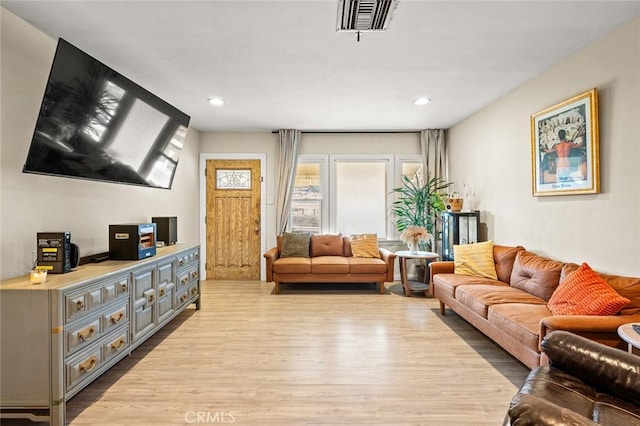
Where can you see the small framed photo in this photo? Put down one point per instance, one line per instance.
(565, 147)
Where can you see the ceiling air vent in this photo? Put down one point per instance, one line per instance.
(365, 15)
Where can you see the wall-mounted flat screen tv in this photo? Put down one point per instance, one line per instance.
(96, 124)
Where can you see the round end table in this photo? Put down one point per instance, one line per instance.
(629, 335)
(411, 285)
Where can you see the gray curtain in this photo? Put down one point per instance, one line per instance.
(434, 154)
(286, 167)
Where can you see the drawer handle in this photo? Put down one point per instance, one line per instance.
(162, 292)
(194, 274)
(87, 333)
(184, 280)
(124, 287)
(118, 344)
(181, 263)
(80, 305)
(194, 290)
(183, 298)
(116, 318)
(197, 255)
(89, 364)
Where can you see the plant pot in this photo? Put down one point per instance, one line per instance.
(421, 270)
(454, 204)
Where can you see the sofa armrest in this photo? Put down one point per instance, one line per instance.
(389, 258)
(271, 255)
(532, 410)
(581, 324)
(440, 267)
(605, 368)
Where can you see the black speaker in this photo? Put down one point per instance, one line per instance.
(55, 252)
(167, 229)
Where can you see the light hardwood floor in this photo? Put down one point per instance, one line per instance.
(320, 356)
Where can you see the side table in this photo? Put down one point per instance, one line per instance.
(410, 285)
(629, 335)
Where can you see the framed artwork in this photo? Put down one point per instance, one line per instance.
(565, 147)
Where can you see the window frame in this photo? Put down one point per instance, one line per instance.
(328, 170)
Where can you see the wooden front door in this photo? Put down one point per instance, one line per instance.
(233, 219)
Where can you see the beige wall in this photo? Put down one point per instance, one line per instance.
(34, 203)
(491, 151)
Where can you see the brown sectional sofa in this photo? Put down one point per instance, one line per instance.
(512, 310)
(330, 261)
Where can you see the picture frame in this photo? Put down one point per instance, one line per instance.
(565, 147)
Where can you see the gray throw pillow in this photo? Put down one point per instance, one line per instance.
(295, 244)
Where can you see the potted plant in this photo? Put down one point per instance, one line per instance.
(418, 206)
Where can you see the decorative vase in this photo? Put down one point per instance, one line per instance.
(413, 247)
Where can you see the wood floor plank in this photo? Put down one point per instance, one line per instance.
(327, 356)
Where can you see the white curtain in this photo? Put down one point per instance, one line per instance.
(286, 166)
(434, 154)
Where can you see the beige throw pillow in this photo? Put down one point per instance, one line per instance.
(365, 245)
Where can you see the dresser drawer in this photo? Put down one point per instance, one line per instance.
(115, 290)
(81, 302)
(81, 367)
(82, 334)
(115, 316)
(115, 344)
(188, 258)
(186, 294)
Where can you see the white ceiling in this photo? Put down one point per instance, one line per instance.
(281, 64)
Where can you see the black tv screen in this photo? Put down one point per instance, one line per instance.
(96, 124)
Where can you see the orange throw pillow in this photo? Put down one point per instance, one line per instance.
(584, 292)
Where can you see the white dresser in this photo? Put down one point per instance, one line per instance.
(59, 336)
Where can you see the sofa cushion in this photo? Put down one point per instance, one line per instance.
(447, 283)
(562, 389)
(628, 287)
(610, 410)
(478, 298)
(292, 265)
(535, 274)
(519, 320)
(475, 259)
(295, 244)
(329, 265)
(584, 292)
(367, 265)
(365, 245)
(504, 256)
(326, 245)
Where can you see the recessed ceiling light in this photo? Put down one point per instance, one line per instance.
(422, 101)
(215, 101)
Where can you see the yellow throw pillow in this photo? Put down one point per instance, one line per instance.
(365, 245)
(475, 259)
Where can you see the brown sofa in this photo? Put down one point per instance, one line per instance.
(585, 383)
(330, 261)
(512, 310)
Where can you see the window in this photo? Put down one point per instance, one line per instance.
(360, 188)
(349, 194)
(308, 207)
